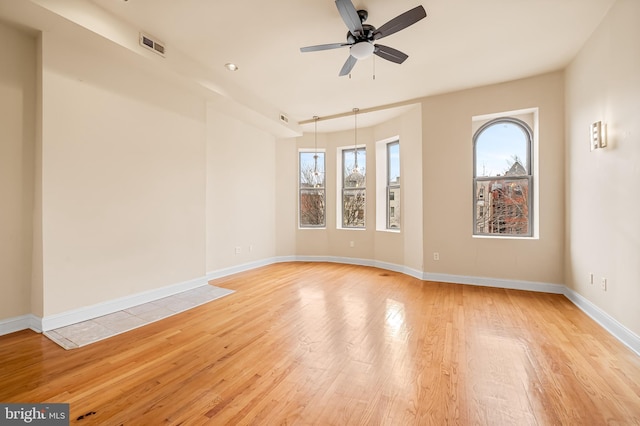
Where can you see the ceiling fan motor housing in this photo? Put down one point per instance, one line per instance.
(367, 34)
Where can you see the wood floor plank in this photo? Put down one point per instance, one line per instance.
(332, 344)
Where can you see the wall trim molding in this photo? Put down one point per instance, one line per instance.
(220, 273)
(22, 322)
(610, 324)
(355, 261)
(73, 316)
(29, 321)
(606, 321)
(496, 282)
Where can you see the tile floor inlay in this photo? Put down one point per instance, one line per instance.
(86, 332)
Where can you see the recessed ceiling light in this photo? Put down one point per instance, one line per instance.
(231, 67)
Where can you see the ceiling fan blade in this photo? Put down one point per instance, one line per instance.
(348, 66)
(390, 54)
(400, 22)
(350, 16)
(323, 47)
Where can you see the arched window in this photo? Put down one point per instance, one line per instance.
(502, 179)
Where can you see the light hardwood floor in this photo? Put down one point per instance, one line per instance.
(331, 344)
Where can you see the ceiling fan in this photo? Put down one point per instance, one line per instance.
(361, 36)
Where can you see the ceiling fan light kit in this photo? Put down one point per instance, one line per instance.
(362, 50)
(361, 36)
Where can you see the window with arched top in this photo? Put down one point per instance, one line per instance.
(503, 178)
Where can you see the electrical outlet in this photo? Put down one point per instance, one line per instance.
(352, 243)
(436, 255)
(238, 250)
(603, 283)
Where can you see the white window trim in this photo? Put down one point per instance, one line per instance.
(531, 117)
(312, 228)
(381, 185)
(339, 188)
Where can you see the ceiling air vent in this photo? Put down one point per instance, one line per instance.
(284, 118)
(152, 44)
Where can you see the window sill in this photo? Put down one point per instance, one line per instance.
(391, 231)
(498, 237)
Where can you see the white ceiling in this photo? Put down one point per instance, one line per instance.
(461, 44)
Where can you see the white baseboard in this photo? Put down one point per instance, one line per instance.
(496, 282)
(332, 259)
(220, 273)
(23, 322)
(354, 261)
(619, 331)
(428, 276)
(63, 319)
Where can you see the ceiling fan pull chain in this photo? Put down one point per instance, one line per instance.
(374, 67)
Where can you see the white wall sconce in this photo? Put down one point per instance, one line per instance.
(598, 135)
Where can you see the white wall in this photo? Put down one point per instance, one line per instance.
(17, 141)
(241, 192)
(123, 176)
(603, 229)
(287, 197)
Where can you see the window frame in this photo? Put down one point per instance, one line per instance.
(382, 177)
(530, 177)
(390, 187)
(322, 189)
(343, 189)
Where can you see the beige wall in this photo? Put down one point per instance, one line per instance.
(448, 173)
(37, 278)
(437, 189)
(437, 160)
(603, 230)
(403, 249)
(123, 170)
(140, 184)
(241, 192)
(331, 241)
(17, 142)
(286, 219)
